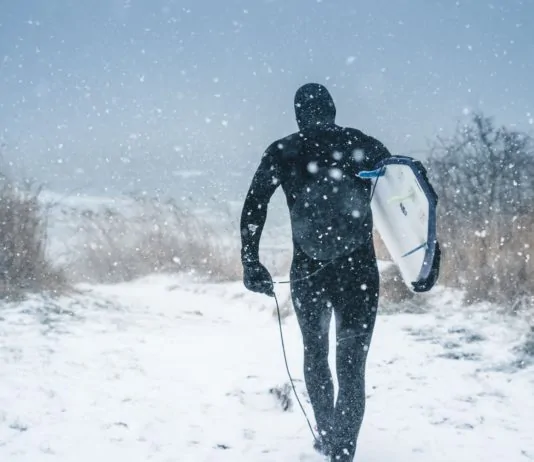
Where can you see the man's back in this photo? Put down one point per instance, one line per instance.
(317, 168)
(326, 153)
(329, 205)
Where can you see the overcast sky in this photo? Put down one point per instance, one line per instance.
(131, 94)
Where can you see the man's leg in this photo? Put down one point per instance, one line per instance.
(314, 313)
(355, 310)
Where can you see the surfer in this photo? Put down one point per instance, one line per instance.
(334, 267)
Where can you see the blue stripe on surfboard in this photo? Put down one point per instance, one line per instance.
(368, 174)
(422, 246)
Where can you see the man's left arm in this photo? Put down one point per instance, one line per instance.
(375, 152)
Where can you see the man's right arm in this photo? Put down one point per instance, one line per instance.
(254, 213)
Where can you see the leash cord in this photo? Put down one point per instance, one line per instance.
(288, 371)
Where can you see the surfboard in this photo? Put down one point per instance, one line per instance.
(404, 205)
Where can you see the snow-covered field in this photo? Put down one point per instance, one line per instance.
(169, 369)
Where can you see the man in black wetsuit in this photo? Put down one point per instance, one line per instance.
(334, 266)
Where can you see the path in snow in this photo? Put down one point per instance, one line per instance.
(161, 370)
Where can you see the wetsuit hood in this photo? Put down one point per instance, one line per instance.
(314, 106)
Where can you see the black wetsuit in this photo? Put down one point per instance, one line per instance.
(332, 228)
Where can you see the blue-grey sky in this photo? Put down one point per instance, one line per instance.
(130, 94)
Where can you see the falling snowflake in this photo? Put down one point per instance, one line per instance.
(312, 167)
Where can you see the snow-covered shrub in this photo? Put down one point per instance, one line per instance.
(395, 297)
(484, 176)
(392, 286)
(24, 266)
(151, 237)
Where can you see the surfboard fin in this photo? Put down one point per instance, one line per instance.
(419, 247)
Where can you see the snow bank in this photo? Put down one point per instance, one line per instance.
(165, 369)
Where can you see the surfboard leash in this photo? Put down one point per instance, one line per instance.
(288, 370)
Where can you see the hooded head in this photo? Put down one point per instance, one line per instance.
(314, 106)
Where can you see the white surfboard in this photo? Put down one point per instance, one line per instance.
(404, 213)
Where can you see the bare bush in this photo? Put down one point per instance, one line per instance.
(392, 286)
(484, 177)
(23, 263)
(152, 237)
(395, 297)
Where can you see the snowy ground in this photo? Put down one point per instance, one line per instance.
(165, 369)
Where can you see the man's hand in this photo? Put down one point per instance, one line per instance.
(425, 286)
(257, 278)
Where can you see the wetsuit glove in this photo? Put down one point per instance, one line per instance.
(257, 278)
(426, 285)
